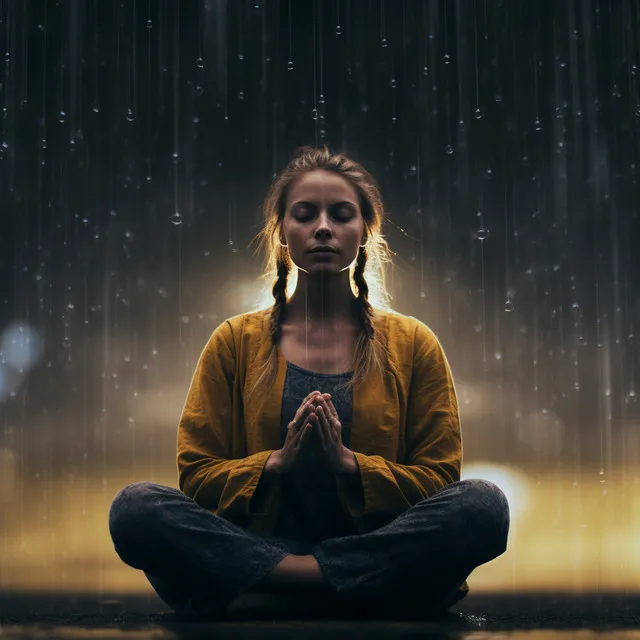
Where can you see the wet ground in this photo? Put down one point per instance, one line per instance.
(553, 617)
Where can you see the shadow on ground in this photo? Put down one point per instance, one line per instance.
(478, 616)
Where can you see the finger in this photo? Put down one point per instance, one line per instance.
(332, 409)
(302, 413)
(320, 430)
(328, 425)
(302, 435)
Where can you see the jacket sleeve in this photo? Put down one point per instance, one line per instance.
(382, 489)
(206, 471)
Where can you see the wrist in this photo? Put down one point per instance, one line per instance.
(273, 466)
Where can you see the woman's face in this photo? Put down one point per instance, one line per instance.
(322, 209)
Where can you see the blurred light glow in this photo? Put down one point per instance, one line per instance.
(21, 346)
(513, 483)
(8, 473)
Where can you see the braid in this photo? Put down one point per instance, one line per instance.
(279, 311)
(363, 306)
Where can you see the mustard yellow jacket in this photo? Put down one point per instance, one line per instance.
(405, 431)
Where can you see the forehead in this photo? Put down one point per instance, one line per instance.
(320, 186)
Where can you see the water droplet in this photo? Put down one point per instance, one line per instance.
(62, 116)
(199, 90)
(176, 218)
(498, 97)
(232, 245)
(508, 306)
(199, 63)
(638, 110)
(241, 56)
(477, 114)
(321, 101)
(96, 107)
(149, 24)
(314, 114)
(447, 58)
(413, 170)
(70, 306)
(423, 294)
(575, 306)
(425, 71)
(130, 116)
(631, 397)
(497, 355)
(384, 43)
(576, 385)
(290, 66)
(448, 150)
(537, 124)
(393, 83)
(338, 30)
(482, 233)
(176, 156)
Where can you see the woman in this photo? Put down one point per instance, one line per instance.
(319, 448)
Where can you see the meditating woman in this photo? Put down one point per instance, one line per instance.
(319, 448)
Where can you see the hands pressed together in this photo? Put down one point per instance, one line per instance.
(315, 413)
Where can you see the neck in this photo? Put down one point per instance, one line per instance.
(322, 300)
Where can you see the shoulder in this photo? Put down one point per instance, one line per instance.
(229, 332)
(405, 331)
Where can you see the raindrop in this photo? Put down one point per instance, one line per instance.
(130, 116)
(482, 233)
(576, 386)
(176, 156)
(447, 58)
(448, 150)
(321, 100)
(477, 114)
(314, 114)
(575, 306)
(630, 338)
(62, 116)
(338, 30)
(392, 84)
(384, 43)
(508, 306)
(631, 397)
(497, 355)
(149, 24)
(96, 107)
(290, 65)
(176, 218)
(498, 97)
(232, 245)
(413, 170)
(43, 143)
(423, 294)
(425, 71)
(241, 56)
(638, 110)
(240, 95)
(537, 124)
(70, 306)
(199, 90)
(200, 63)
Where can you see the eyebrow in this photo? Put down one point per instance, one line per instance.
(335, 204)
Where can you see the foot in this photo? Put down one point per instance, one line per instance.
(294, 571)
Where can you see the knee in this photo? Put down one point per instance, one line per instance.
(487, 508)
(131, 510)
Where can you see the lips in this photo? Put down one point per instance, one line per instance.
(323, 250)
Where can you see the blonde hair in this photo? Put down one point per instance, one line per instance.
(370, 351)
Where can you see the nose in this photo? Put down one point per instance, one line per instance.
(323, 227)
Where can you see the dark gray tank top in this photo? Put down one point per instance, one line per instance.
(310, 510)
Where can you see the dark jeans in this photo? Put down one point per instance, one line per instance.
(198, 562)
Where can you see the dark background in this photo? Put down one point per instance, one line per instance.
(519, 118)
